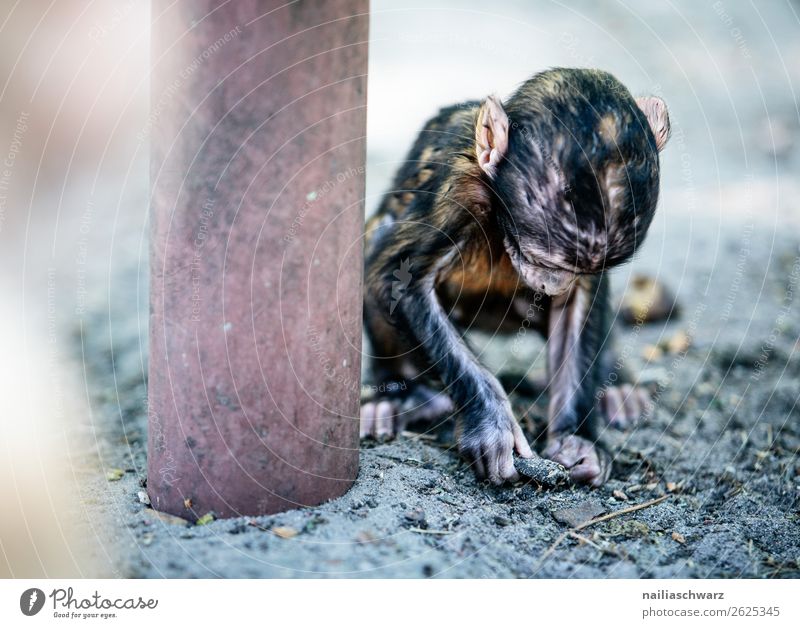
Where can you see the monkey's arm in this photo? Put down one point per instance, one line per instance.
(577, 333)
(489, 431)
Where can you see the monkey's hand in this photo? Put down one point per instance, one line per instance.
(586, 461)
(488, 445)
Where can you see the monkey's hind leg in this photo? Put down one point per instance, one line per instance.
(625, 405)
(620, 400)
(396, 399)
(388, 414)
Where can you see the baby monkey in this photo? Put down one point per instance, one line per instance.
(504, 215)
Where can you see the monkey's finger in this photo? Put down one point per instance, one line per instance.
(520, 442)
(367, 419)
(384, 414)
(491, 458)
(507, 470)
(565, 451)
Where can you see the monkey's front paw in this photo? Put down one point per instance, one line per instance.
(489, 450)
(624, 406)
(586, 461)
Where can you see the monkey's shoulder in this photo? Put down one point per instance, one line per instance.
(441, 150)
(439, 191)
(451, 129)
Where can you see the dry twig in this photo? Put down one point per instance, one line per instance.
(591, 522)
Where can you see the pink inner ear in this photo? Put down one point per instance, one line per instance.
(655, 110)
(491, 136)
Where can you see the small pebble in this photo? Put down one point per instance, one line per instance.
(284, 532)
(365, 537)
(651, 353)
(205, 519)
(416, 518)
(112, 475)
(646, 300)
(574, 516)
(165, 517)
(679, 343)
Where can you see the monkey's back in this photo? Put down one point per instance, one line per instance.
(438, 184)
(423, 176)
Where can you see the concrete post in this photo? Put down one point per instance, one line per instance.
(257, 133)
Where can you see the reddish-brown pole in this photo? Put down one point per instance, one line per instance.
(257, 129)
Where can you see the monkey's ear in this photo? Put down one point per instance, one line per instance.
(491, 135)
(655, 110)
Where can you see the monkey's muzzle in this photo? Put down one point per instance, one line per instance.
(551, 282)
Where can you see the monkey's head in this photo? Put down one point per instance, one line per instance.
(572, 160)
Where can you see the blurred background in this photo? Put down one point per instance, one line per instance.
(74, 137)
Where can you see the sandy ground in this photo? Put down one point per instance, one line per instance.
(722, 445)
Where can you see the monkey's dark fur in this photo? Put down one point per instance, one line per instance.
(506, 215)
